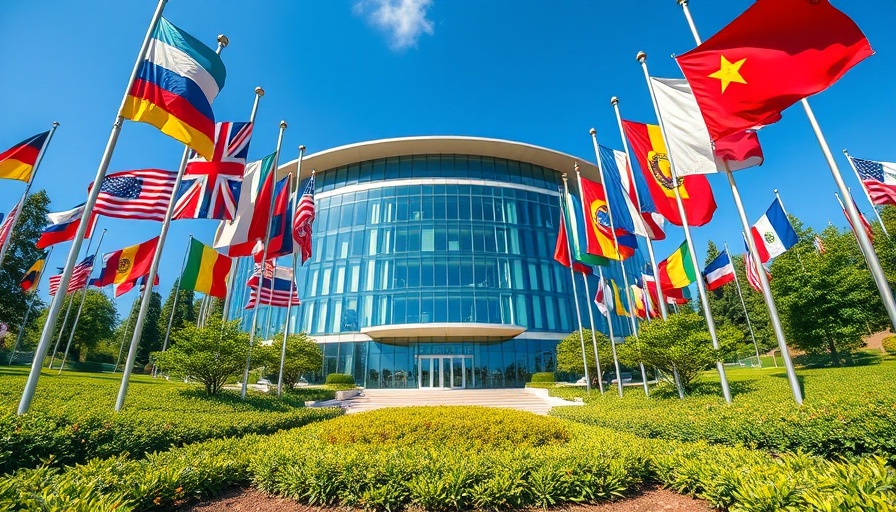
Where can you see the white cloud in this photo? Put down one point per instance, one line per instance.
(404, 20)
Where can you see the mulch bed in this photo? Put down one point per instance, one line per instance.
(652, 499)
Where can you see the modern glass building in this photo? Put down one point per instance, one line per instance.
(433, 263)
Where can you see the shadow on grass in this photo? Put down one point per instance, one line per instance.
(257, 401)
(706, 389)
(861, 358)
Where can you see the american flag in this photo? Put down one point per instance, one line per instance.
(80, 275)
(865, 224)
(211, 189)
(269, 269)
(753, 272)
(142, 194)
(819, 245)
(278, 291)
(301, 226)
(878, 178)
(6, 227)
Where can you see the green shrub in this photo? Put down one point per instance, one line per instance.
(542, 377)
(847, 412)
(340, 378)
(889, 344)
(72, 419)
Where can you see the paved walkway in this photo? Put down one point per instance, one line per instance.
(528, 399)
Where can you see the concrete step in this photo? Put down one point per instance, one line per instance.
(532, 400)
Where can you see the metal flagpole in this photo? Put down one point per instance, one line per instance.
(264, 257)
(600, 377)
(292, 284)
(124, 334)
(174, 302)
(659, 292)
(67, 312)
(71, 334)
(763, 279)
(744, 304)
(710, 323)
(21, 203)
(867, 195)
(154, 267)
(45, 337)
(612, 335)
(30, 306)
(259, 92)
(572, 275)
(628, 290)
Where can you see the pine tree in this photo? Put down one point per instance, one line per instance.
(183, 311)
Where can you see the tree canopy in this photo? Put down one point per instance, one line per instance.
(303, 355)
(19, 257)
(183, 311)
(569, 353)
(210, 354)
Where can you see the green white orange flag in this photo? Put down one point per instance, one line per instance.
(677, 271)
(774, 54)
(206, 270)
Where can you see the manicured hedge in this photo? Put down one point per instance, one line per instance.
(542, 377)
(340, 378)
(889, 344)
(847, 412)
(72, 418)
(594, 465)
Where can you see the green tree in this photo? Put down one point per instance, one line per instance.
(681, 342)
(569, 353)
(210, 355)
(827, 301)
(95, 325)
(303, 355)
(151, 338)
(183, 311)
(19, 257)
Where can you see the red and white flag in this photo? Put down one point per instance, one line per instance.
(301, 226)
(142, 194)
(753, 272)
(6, 227)
(80, 276)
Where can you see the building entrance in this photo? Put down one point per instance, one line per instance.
(445, 372)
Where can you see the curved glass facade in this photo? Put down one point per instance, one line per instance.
(452, 240)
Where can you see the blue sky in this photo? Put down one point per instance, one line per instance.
(344, 71)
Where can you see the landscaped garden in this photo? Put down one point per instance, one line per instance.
(172, 446)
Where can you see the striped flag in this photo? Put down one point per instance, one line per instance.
(63, 226)
(878, 178)
(819, 245)
(278, 291)
(142, 194)
(80, 275)
(123, 268)
(600, 297)
(6, 227)
(17, 162)
(301, 227)
(753, 272)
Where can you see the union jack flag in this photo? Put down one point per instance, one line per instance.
(301, 226)
(211, 189)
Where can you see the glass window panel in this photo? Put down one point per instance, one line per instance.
(463, 206)
(499, 208)
(550, 307)
(350, 314)
(307, 317)
(565, 320)
(354, 271)
(357, 245)
(314, 275)
(401, 240)
(490, 237)
(406, 167)
(413, 273)
(333, 219)
(372, 245)
(428, 240)
(537, 312)
(340, 280)
(366, 172)
(441, 307)
(466, 239)
(503, 273)
(413, 309)
(533, 276)
(427, 309)
(467, 310)
(383, 311)
(546, 278)
(467, 277)
(507, 316)
(391, 169)
(441, 243)
(360, 214)
(513, 235)
(325, 281)
(476, 208)
(375, 213)
(494, 310)
(488, 209)
(367, 311)
(427, 274)
(414, 239)
(336, 315)
(399, 313)
(518, 282)
(321, 318)
(342, 244)
(346, 215)
(454, 275)
(400, 277)
(439, 205)
(481, 310)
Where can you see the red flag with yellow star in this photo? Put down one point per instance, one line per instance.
(774, 54)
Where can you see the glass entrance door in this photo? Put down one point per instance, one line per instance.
(445, 371)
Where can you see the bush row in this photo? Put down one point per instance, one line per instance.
(837, 419)
(72, 419)
(595, 465)
(542, 377)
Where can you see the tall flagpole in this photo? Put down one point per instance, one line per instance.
(264, 257)
(71, 334)
(572, 275)
(763, 279)
(292, 284)
(612, 335)
(701, 288)
(744, 304)
(259, 92)
(154, 266)
(21, 203)
(628, 290)
(40, 276)
(65, 319)
(656, 273)
(44, 344)
(124, 334)
(174, 302)
(867, 195)
(600, 377)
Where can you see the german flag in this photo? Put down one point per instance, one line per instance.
(17, 162)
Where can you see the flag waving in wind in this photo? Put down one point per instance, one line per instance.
(773, 233)
(124, 267)
(878, 178)
(32, 276)
(719, 272)
(616, 162)
(301, 226)
(143, 194)
(250, 222)
(80, 277)
(17, 162)
(752, 271)
(63, 227)
(175, 86)
(210, 188)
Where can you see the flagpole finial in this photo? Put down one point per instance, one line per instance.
(775, 191)
(56, 125)
(223, 40)
(282, 125)
(593, 132)
(259, 91)
(614, 101)
(641, 57)
(682, 2)
(302, 148)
